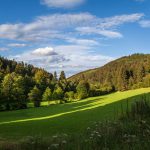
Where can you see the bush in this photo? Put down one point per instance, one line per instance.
(69, 96)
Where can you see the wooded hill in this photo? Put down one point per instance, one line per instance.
(125, 73)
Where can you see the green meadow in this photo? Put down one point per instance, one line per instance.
(70, 118)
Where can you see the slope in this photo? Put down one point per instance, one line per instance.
(71, 118)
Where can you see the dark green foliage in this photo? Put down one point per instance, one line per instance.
(62, 76)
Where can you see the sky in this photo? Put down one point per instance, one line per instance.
(73, 35)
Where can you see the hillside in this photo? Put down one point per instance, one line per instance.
(125, 73)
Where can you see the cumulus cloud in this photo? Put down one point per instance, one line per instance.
(47, 51)
(62, 3)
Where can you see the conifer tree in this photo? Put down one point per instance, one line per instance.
(62, 76)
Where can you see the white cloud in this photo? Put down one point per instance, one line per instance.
(62, 3)
(47, 51)
(45, 27)
(145, 23)
(17, 45)
(86, 42)
(106, 33)
(62, 26)
(119, 20)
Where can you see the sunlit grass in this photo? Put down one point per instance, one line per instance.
(66, 118)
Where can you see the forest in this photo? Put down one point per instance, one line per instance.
(21, 83)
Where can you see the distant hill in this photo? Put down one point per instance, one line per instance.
(125, 73)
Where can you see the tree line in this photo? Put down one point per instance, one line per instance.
(21, 83)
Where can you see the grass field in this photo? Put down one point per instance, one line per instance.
(71, 118)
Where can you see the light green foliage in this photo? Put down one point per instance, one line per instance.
(69, 96)
(42, 79)
(58, 93)
(47, 96)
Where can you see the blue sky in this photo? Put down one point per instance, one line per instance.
(73, 35)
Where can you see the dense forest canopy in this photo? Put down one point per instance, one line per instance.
(21, 83)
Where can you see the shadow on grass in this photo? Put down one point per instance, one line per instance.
(68, 118)
(74, 107)
(115, 107)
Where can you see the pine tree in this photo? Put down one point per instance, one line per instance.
(55, 77)
(62, 76)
